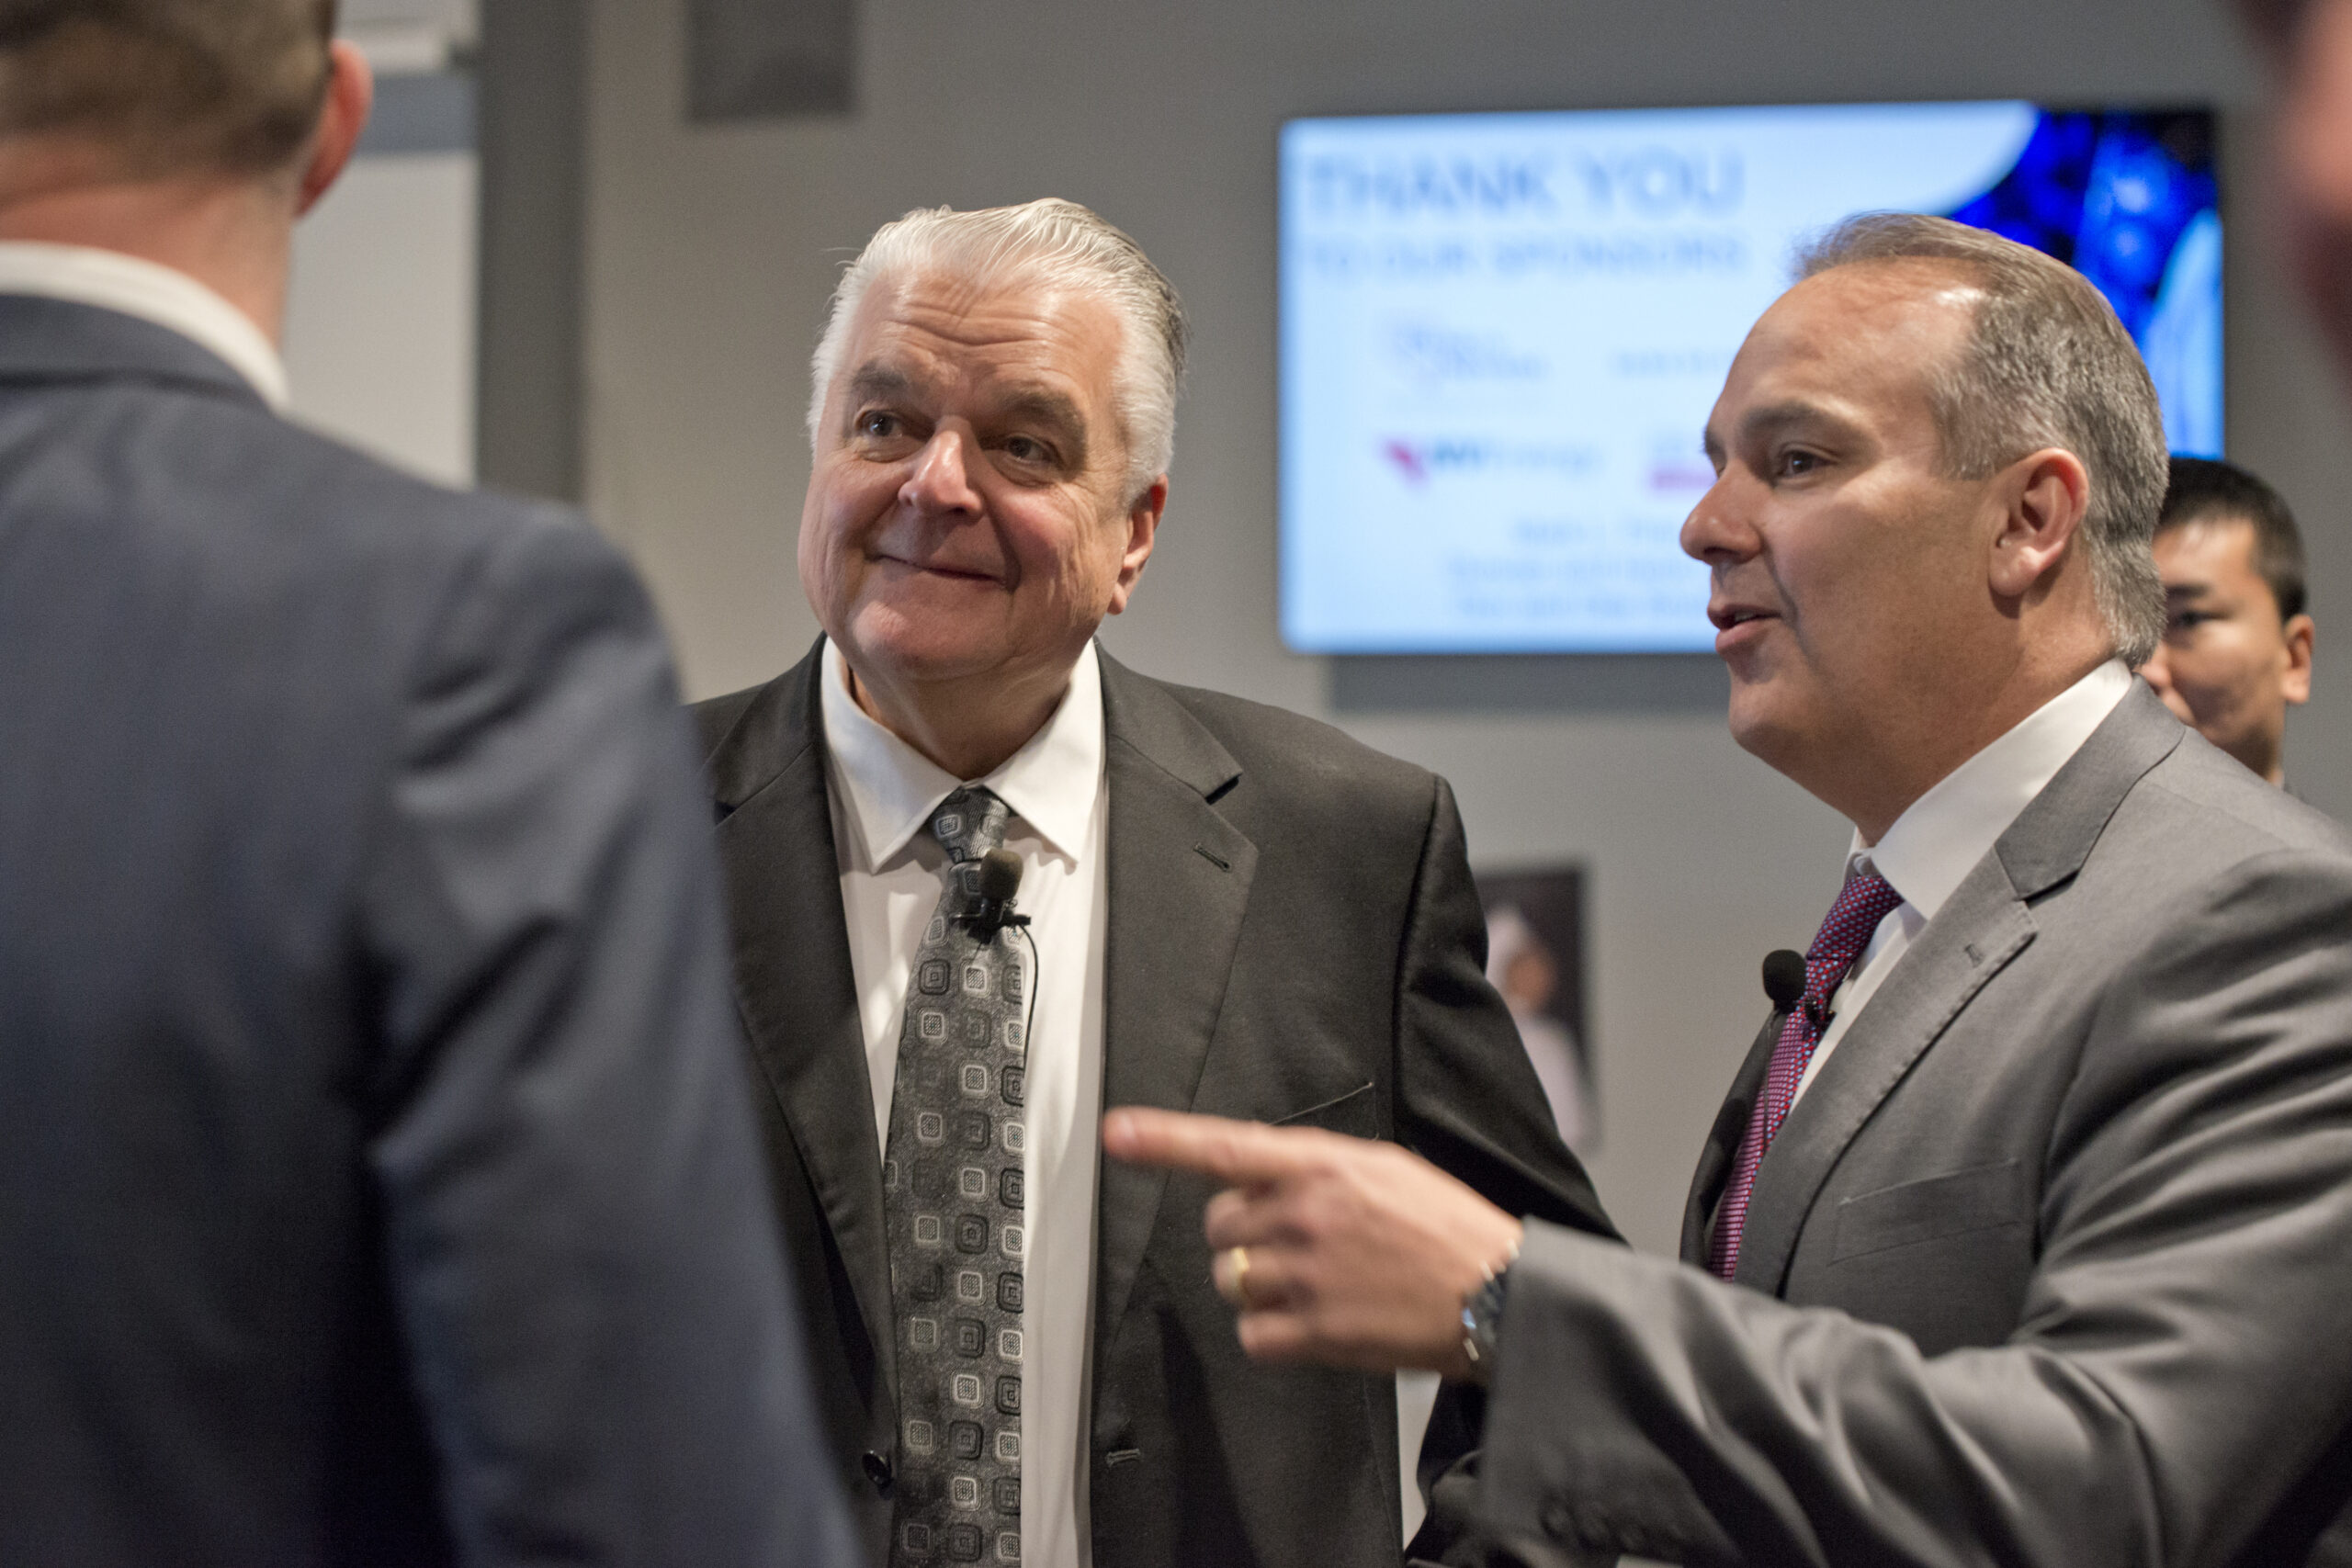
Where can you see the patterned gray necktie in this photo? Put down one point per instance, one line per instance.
(952, 1188)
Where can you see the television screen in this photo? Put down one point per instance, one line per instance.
(1501, 334)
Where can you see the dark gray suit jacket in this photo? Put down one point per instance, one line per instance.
(1293, 937)
(2061, 1235)
(376, 1183)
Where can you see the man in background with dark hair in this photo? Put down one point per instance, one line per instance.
(2238, 646)
(376, 1179)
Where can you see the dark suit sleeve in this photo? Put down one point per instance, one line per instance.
(575, 1215)
(2178, 1386)
(1468, 1100)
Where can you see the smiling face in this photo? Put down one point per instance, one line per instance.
(965, 522)
(1849, 572)
(2230, 665)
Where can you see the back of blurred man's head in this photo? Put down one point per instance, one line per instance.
(2310, 43)
(164, 88)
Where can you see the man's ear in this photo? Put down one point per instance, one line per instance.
(2045, 496)
(2297, 682)
(351, 93)
(1143, 527)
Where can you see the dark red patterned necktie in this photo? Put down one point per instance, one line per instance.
(1862, 905)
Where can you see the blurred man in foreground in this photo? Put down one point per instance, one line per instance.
(2310, 41)
(2024, 1234)
(2237, 646)
(376, 1179)
(1227, 907)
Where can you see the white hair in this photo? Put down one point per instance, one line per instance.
(1049, 242)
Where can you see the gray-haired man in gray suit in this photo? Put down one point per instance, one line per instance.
(2026, 1231)
(376, 1183)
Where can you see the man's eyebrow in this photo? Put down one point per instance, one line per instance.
(1774, 418)
(1044, 404)
(2188, 590)
(879, 381)
(1057, 410)
(1762, 424)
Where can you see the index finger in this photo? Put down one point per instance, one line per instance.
(1241, 1154)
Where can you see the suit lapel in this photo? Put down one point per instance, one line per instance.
(793, 977)
(1723, 1142)
(1986, 923)
(1976, 934)
(1179, 879)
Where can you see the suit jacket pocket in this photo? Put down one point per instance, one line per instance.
(1356, 1113)
(1980, 1198)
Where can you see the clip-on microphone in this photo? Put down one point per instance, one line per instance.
(1784, 978)
(1785, 984)
(1000, 880)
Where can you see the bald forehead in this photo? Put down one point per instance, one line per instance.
(1928, 300)
(1853, 346)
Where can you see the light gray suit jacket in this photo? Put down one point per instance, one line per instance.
(2049, 1266)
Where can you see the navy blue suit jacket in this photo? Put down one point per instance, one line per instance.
(376, 1183)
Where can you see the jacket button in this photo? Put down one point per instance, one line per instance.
(878, 1471)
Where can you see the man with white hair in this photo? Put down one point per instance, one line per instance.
(986, 880)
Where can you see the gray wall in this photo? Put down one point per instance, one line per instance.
(712, 250)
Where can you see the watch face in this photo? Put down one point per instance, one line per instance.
(1482, 1322)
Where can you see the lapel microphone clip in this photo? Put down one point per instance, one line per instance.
(999, 880)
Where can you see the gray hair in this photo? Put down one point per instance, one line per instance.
(1052, 242)
(2046, 364)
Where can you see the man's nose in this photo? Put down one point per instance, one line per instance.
(1717, 530)
(2155, 674)
(942, 480)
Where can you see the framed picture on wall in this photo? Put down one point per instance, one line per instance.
(1536, 958)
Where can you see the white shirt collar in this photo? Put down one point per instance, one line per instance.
(113, 281)
(1935, 843)
(1051, 783)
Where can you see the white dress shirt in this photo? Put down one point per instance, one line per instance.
(152, 292)
(1936, 843)
(883, 792)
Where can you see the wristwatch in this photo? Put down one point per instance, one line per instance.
(1482, 1319)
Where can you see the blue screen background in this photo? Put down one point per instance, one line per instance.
(2129, 201)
